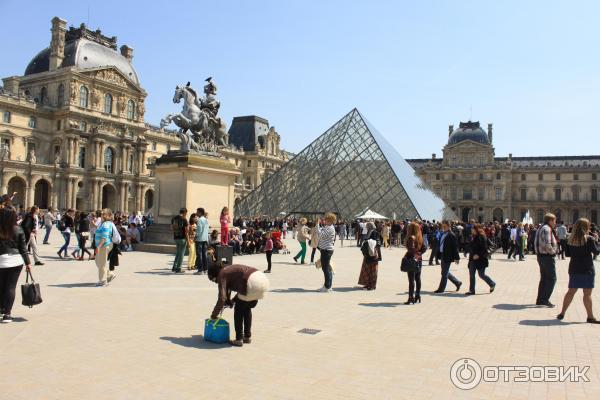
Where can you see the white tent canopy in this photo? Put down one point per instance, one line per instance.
(371, 215)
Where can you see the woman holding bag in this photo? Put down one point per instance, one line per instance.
(412, 262)
(478, 260)
(13, 254)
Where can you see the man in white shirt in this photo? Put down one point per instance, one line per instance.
(562, 233)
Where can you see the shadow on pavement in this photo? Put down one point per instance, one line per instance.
(514, 307)
(293, 290)
(445, 294)
(195, 341)
(546, 322)
(75, 285)
(19, 319)
(349, 289)
(384, 304)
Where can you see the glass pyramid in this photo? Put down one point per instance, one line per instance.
(348, 169)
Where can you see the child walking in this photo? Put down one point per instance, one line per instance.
(268, 251)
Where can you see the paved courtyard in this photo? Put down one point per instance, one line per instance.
(141, 337)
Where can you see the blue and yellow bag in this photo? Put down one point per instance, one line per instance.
(216, 331)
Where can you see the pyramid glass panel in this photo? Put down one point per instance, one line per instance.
(348, 169)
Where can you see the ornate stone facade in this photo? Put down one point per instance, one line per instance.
(477, 185)
(72, 130)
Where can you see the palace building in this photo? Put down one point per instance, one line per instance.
(478, 185)
(73, 134)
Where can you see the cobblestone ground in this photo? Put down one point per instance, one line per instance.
(141, 337)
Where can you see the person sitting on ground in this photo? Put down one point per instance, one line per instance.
(213, 240)
(132, 236)
(250, 285)
(235, 241)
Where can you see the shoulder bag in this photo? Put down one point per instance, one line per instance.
(30, 292)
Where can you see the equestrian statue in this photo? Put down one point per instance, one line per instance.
(200, 129)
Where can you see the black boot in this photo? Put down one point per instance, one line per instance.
(417, 298)
(411, 300)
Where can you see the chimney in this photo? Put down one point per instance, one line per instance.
(433, 156)
(57, 44)
(450, 130)
(490, 132)
(127, 52)
(11, 85)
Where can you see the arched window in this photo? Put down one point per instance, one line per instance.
(108, 100)
(130, 108)
(83, 97)
(61, 94)
(32, 122)
(108, 160)
(43, 95)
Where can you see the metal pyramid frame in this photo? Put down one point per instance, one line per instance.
(348, 169)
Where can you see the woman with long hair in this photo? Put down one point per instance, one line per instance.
(478, 259)
(371, 250)
(83, 234)
(225, 220)
(13, 254)
(581, 248)
(415, 247)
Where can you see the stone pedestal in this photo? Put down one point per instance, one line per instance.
(189, 180)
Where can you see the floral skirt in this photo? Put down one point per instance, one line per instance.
(368, 274)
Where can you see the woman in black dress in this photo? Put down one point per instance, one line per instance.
(581, 248)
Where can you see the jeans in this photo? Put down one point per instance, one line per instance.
(8, 283)
(269, 253)
(179, 251)
(302, 253)
(481, 271)
(47, 235)
(326, 267)
(242, 317)
(563, 247)
(446, 274)
(65, 247)
(201, 256)
(547, 265)
(414, 277)
(512, 252)
(312, 255)
(236, 247)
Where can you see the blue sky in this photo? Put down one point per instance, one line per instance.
(411, 67)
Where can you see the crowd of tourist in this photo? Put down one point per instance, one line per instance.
(102, 236)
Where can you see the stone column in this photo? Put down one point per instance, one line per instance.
(3, 184)
(124, 158)
(143, 162)
(92, 195)
(75, 151)
(99, 194)
(29, 199)
(74, 194)
(101, 154)
(68, 193)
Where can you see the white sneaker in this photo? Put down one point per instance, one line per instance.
(329, 290)
(322, 290)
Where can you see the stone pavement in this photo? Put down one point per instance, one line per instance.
(141, 337)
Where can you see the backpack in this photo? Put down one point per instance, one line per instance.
(177, 225)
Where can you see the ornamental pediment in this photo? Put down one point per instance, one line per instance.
(112, 76)
(468, 145)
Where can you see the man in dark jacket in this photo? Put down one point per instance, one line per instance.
(448, 249)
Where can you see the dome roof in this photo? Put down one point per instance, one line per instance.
(84, 53)
(469, 131)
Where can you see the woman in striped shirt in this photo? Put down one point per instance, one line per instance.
(326, 242)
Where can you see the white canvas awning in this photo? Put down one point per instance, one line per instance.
(371, 215)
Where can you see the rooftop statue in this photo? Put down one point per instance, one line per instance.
(200, 128)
